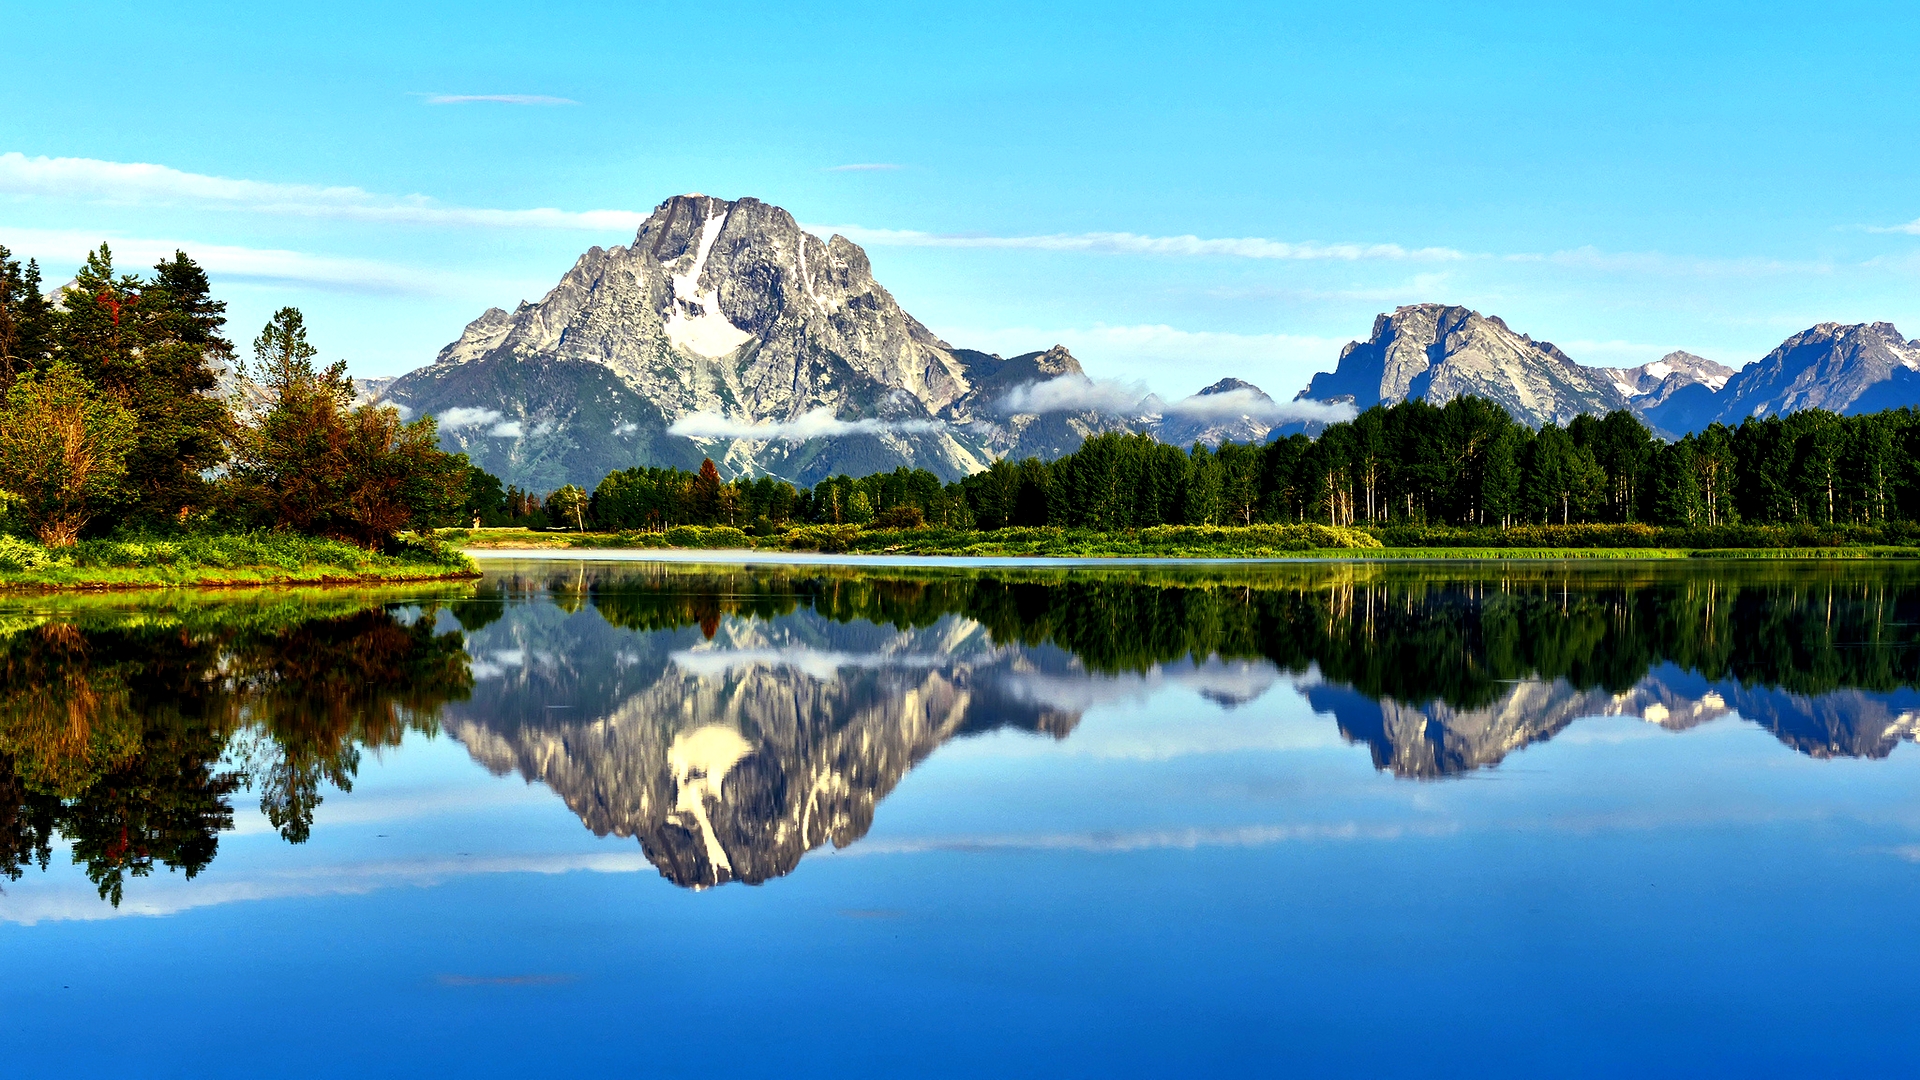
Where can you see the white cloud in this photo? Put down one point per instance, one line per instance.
(865, 167)
(1233, 404)
(464, 417)
(1170, 361)
(62, 901)
(1073, 393)
(1911, 228)
(1123, 243)
(816, 424)
(1180, 838)
(54, 247)
(498, 99)
(142, 184)
(627, 428)
(1660, 263)
(512, 430)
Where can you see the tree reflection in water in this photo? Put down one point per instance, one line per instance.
(127, 732)
(732, 720)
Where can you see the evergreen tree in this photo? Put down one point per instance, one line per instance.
(25, 320)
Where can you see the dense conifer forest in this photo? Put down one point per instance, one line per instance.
(1465, 463)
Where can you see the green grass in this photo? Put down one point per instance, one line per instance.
(261, 558)
(1248, 542)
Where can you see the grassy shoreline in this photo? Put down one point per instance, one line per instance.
(218, 562)
(1217, 542)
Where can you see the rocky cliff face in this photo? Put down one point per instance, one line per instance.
(723, 311)
(1438, 352)
(1846, 369)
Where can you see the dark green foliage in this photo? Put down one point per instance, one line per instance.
(129, 739)
(25, 319)
(153, 346)
(1468, 463)
(308, 459)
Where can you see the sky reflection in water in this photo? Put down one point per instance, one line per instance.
(1323, 818)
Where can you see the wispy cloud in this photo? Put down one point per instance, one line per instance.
(1911, 228)
(144, 184)
(458, 418)
(1663, 264)
(1074, 393)
(865, 167)
(1234, 404)
(817, 424)
(1177, 838)
(1168, 356)
(498, 99)
(1123, 243)
(171, 895)
(1077, 393)
(54, 247)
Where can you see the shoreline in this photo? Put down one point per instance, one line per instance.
(20, 585)
(787, 557)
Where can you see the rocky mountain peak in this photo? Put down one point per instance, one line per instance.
(1438, 352)
(1845, 368)
(1229, 385)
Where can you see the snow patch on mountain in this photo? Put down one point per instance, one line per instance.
(697, 324)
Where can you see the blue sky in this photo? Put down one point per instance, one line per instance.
(1178, 193)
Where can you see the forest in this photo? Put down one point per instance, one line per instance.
(1466, 464)
(125, 410)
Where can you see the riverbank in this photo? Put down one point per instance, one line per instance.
(1233, 542)
(219, 561)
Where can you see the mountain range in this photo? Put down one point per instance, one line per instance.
(725, 330)
(730, 748)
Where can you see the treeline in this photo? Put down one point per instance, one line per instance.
(123, 406)
(658, 499)
(1466, 463)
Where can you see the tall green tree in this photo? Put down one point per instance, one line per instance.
(306, 460)
(25, 319)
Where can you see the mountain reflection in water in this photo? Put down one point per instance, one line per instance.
(733, 719)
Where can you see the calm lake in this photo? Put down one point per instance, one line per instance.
(643, 818)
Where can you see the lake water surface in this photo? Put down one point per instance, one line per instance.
(644, 818)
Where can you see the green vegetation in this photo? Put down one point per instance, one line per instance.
(127, 459)
(1418, 480)
(126, 729)
(258, 558)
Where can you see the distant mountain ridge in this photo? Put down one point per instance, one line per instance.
(724, 330)
(1437, 352)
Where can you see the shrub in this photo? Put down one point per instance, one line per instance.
(899, 517)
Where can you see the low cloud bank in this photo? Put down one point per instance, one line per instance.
(1073, 393)
(1234, 404)
(491, 419)
(455, 419)
(1076, 393)
(816, 424)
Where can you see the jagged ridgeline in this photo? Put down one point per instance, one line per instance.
(721, 319)
(724, 330)
(731, 720)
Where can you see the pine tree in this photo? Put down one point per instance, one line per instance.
(25, 320)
